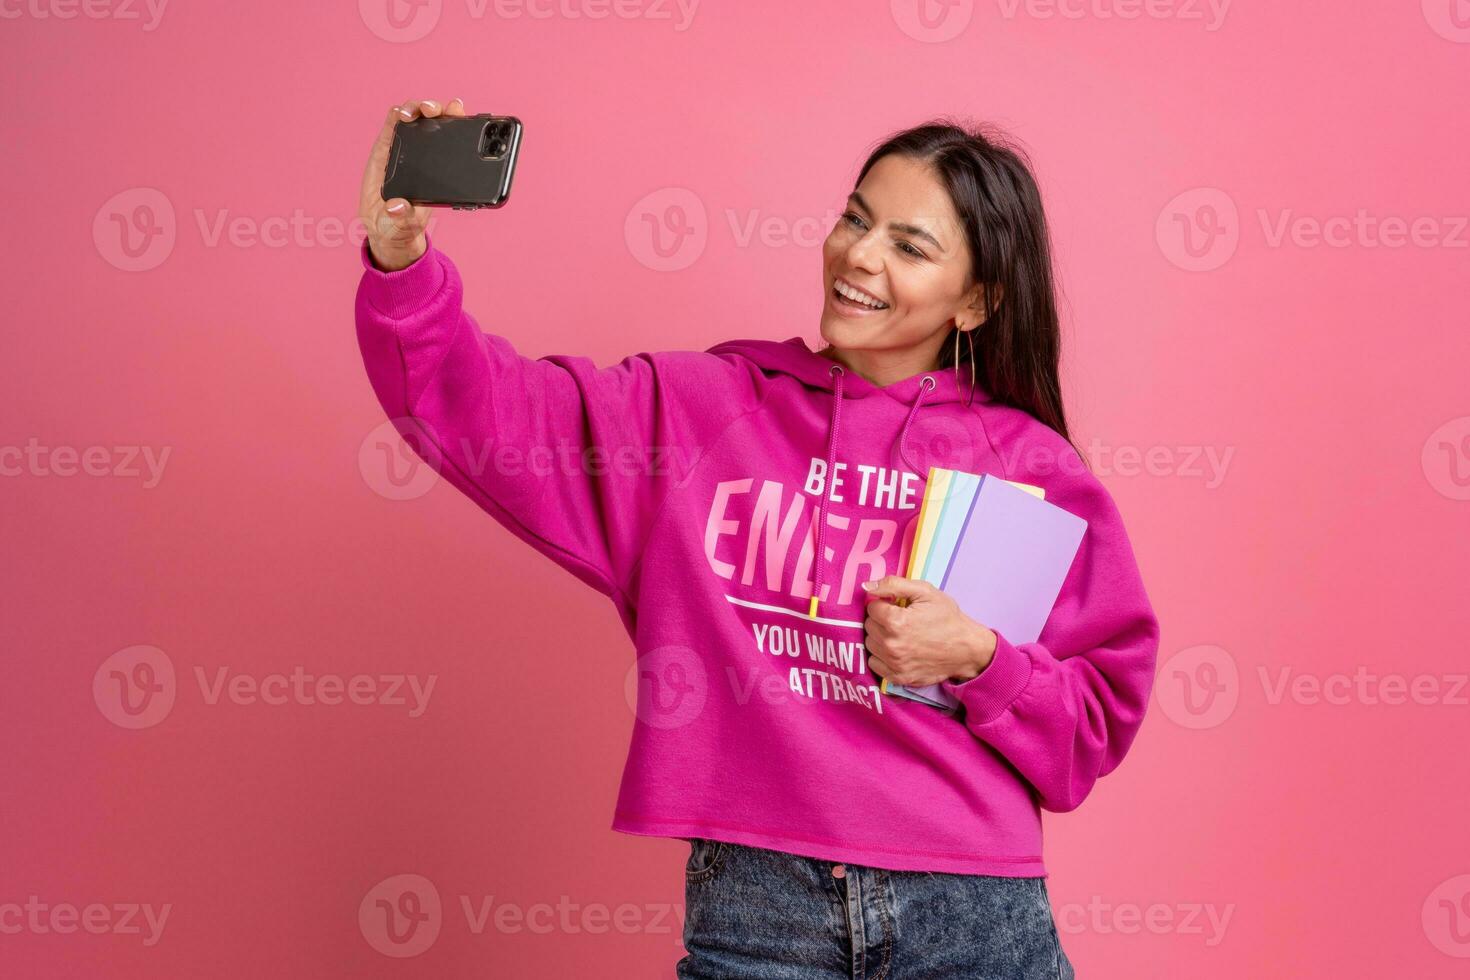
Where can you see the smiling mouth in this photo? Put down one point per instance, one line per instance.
(852, 298)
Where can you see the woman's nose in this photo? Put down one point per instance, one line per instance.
(862, 254)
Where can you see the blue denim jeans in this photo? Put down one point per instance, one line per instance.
(758, 913)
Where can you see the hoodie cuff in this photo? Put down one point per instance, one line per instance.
(995, 688)
(399, 294)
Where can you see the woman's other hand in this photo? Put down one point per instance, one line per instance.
(926, 641)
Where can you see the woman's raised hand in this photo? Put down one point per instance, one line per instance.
(395, 228)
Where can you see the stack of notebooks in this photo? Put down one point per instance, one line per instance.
(998, 548)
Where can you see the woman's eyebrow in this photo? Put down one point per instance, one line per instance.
(904, 227)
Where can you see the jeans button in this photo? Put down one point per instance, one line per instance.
(838, 871)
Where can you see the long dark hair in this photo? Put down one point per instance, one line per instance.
(988, 176)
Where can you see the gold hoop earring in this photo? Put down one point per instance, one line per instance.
(970, 339)
(957, 355)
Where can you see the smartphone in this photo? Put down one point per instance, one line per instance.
(462, 162)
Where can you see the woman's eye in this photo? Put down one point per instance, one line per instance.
(855, 220)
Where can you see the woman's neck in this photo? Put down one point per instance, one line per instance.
(883, 369)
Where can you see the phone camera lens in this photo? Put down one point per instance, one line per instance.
(496, 140)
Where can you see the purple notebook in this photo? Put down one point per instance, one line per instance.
(1008, 566)
(1013, 555)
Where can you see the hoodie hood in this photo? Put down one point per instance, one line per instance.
(792, 356)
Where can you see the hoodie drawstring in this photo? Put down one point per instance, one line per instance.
(929, 385)
(820, 560)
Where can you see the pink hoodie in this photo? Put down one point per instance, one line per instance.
(685, 486)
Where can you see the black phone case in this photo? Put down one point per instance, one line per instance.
(443, 161)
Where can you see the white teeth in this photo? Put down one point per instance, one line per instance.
(863, 298)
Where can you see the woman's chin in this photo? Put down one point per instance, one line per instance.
(831, 330)
(839, 331)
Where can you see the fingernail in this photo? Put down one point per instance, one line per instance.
(430, 103)
(457, 99)
(396, 207)
(404, 113)
(867, 586)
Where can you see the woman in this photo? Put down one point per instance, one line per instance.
(747, 509)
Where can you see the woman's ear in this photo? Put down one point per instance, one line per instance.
(984, 300)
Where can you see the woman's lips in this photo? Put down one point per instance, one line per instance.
(846, 307)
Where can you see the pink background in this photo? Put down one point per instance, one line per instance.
(1326, 833)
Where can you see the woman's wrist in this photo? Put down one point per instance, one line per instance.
(979, 652)
(397, 258)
